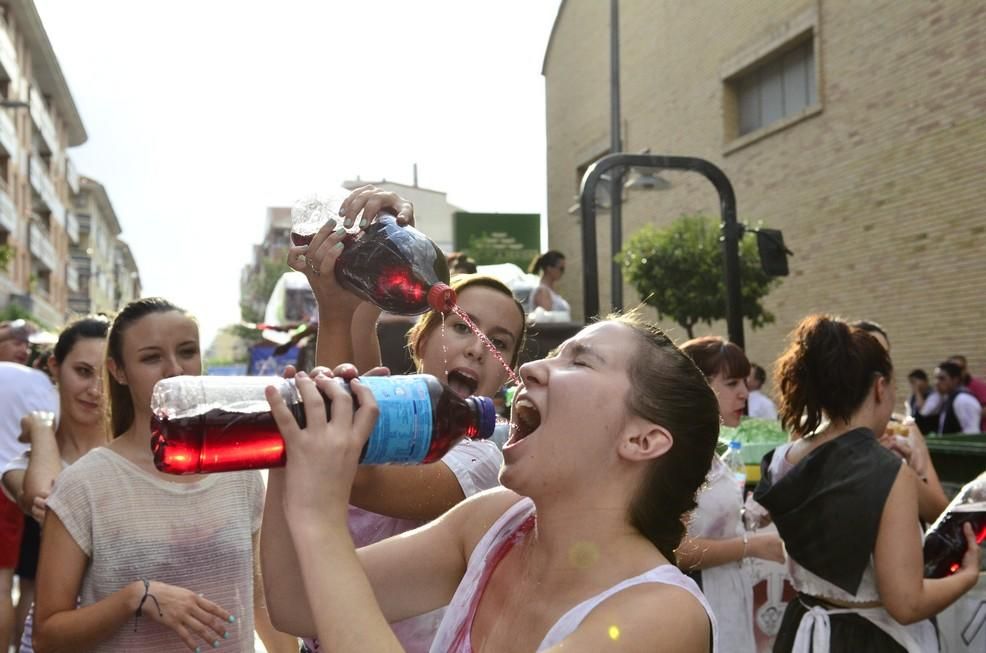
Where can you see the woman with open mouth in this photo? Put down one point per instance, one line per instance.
(388, 500)
(611, 437)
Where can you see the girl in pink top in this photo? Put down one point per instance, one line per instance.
(611, 437)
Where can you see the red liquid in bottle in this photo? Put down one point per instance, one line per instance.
(407, 432)
(944, 543)
(397, 268)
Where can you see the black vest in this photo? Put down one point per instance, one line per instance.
(948, 422)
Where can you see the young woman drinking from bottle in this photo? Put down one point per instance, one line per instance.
(387, 500)
(717, 541)
(153, 562)
(846, 507)
(611, 438)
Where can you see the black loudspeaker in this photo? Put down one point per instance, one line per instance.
(773, 253)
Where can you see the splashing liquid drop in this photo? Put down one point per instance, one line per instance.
(486, 341)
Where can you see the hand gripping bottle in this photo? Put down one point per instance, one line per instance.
(397, 268)
(944, 543)
(207, 424)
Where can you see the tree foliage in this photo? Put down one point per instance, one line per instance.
(254, 297)
(679, 271)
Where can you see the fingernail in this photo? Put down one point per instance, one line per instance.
(198, 649)
(226, 635)
(338, 246)
(215, 644)
(332, 223)
(338, 230)
(232, 619)
(364, 223)
(300, 375)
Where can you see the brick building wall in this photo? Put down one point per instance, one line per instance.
(879, 188)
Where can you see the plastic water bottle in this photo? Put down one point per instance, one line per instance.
(734, 461)
(205, 424)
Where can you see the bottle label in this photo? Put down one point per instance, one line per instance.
(403, 430)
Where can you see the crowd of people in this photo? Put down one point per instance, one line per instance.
(598, 516)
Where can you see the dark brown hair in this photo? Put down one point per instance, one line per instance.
(827, 369)
(430, 320)
(669, 390)
(92, 326)
(714, 355)
(549, 259)
(120, 404)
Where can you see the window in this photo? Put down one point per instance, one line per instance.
(781, 86)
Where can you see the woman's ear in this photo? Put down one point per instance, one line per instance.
(53, 366)
(644, 440)
(116, 371)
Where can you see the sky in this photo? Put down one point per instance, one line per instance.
(202, 113)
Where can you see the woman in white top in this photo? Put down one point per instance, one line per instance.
(611, 438)
(153, 562)
(717, 542)
(551, 267)
(387, 500)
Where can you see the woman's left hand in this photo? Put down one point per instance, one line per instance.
(322, 457)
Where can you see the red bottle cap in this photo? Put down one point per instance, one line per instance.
(441, 297)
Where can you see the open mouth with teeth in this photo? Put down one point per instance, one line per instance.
(525, 418)
(463, 382)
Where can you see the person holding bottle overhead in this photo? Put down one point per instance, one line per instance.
(846, 507)
(610, 439)
(387, 500)
(76, 366)
(717, 541)
(132, 559)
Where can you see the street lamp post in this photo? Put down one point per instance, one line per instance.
(730, 227)
(616, 145)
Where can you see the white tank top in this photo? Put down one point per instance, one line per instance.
(454, 633)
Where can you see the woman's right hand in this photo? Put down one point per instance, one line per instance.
(766, 546)
(37, 423)
(322, 457)
(193, 617)
(971, 560)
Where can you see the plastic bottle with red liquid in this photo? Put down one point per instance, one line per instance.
(944, 542)
(205, 424)
(397, 268)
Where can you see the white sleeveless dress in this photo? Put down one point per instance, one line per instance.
(454, 633)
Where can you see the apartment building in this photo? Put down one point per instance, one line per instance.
(859, 128)
(95, 254)
(59, 233)
(38, 123)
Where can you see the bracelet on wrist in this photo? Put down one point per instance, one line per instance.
(140, 606)
(746, 541)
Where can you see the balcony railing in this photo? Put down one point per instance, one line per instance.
(72, 278)
(41, 247)
(8, 214)
(42, 118)
(72, 176)
(43, 186)
(8, 53)
(72, 228)
(8, 134)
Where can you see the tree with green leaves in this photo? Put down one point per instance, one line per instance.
(259, 288)
(679, 271)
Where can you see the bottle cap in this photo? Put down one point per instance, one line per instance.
(441, 297)
(735, 444)
(487, 416)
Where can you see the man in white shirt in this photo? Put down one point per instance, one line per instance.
(958, 410)
(758, 404)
